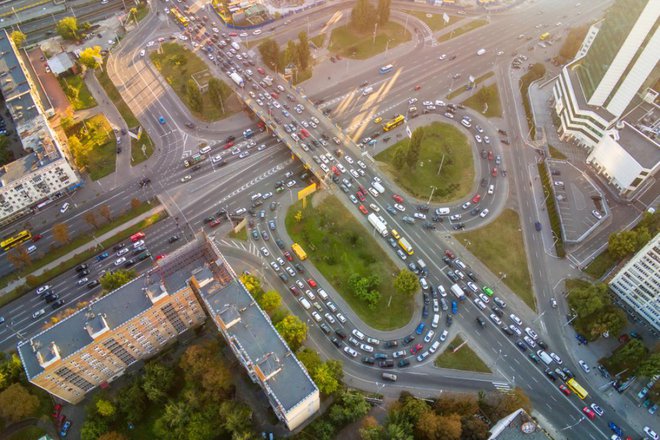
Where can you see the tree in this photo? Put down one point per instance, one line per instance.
(270, 301)
(106, 408)
(610, 319)
(112, 435)
(135, 203)
(399, 158)
(104, 211)
(507, 403)
(67, 28)
(383, 11)
(538, 70)
(449, 427)
(132, 402)
(293, 330)
(114, 280)
(157, 381)
(406, 282)
(589, 300)
(573, 42)
(349, 407)
(649, 367)
(371, 430)
(90, 218)
(10, 369)
(91, 57)
(18, 38)
(252, 284)
(61, 233)
(19, 257)
(93, 428)
(365, 288)
(194, 96)
(304, 54)
(325, 379)
(202, 364)
(291, 53)
(78, 150)
(473, 429)
(414, 147)
(463, 405)
(236, 416)
(428, 426)
(621, 244)
(362, 16)
(16, 403)
(270, 53)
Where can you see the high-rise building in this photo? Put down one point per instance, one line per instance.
(637, 284)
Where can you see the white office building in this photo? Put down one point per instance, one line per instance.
(638, 283)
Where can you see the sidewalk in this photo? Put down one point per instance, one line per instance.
(92, 244)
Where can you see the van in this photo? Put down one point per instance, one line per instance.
(389, 376)
(322, 294)
(442, 211)
(422, 266)
(367, 91)
(434, 347)
(544, 357)
(305, 303)
(436, 321)
(378, 187)
(205, 149)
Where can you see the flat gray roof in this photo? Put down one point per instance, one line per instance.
(12, 79)
(517, 426)
(644, 150)
(578, 91)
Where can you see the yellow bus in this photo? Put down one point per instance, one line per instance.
(406, 246)
(178, 16)
(577, 389)
(392, 124)
(15, 240)
(544, 36)
(298, 250)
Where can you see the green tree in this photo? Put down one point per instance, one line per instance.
(484, 94)
(112, 435)
(10, 369)
(406, 282)
(105, 408)
(383, 11)
(412, 408)
(399, 158)
(310, 359)
(18, 38)
(157, 381)
(573, 42)
(649, 367)
(92, 428)
(325, 379)
(132, 402)
(91, 57)
(293, 330)
(79, 152)
(348, 407)
(270, 53)
(365, 288)
(621, 244)
(304, 54)
(610, 319)
(252, 284)
(16, 403)
(270, 301)
(67, 28)
(363, 16)
(414, 147)
(203, 365)
(588, 300)
(371, 430)
(114, 280)
(629, 357)
(236, 416)
(194, 96)
(291, 53)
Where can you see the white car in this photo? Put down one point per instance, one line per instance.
(151, 43)
(556, 358)
(361, 164)
(82, 281)
(341, 167)
(366, 347)
(466, 205)
(349, 351)
(480, 304)
(349, 159)
(484, 298)
(584, 366)
(455, 217)
(477, 138)
(484, 213)
(429, 336)
(184, 179)
(515, 319)
(341, 318)
(317, 317)
(399, 207)
(256, 32)
(491, 190)
(38, 313)
(264, 252)
(532, 334)
(442, 57)
(120, 261)
(493, 317)
(530, 341)
(243, 34)
(42, 289)
(515, 329)
(143, 52)
(597, 409)
(354, 173)
(374, 207)
(427, 103)
(122, 251)
(358, 334)
(398, 354)
(651, 433)
(65, 207)
(597, 214)
(331, 319)
(443, 335)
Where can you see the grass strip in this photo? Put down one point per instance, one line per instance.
(240, 235)
(492, 94)
(555, 153)
(474, 24)
(435, 21)
(464, 359)
(477, 81)
(349, 43)
(551, 206)
(535, 73)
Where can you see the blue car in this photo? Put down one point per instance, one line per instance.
(420, 328)
(454, 307)
(161, 119)
(65, 428)
(581, 339)
(615, 429)
(102, 257)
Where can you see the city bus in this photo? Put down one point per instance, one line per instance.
(178, 16)
(544, 36)
(577, 389)
(392, 124)
(15, 240)
(406, 246)
(386, 69)
(298, 250)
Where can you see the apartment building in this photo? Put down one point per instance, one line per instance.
(637, 284)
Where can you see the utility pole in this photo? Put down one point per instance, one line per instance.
(440, 167)
(433, 188)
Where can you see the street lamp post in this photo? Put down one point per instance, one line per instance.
(375, 30)
(433, 188)
(575, 315)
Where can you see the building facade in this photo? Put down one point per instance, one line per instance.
(637, 284)
(43, 173)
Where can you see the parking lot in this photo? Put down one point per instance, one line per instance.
(577, 199)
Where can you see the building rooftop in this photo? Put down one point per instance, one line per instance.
(517, 426)
(60, 63)
(578, 90)
(13, 82)
(644, 150)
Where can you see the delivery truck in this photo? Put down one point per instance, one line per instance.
(378, 225)
(458, 292)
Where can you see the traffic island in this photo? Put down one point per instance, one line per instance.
(353, 44)
(93, 145)
(348, 256)
(459, 356)
(485, 100)
(444, 162)
(499, 245)
(436, 21)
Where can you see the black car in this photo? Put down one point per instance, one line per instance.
(449, 320)
(481, 321)
(452, 276)
(145, 181)
(498, 311)
(265, 235)
(429, 226)
(57, 304)
(52, 297)
(472, 276)
(138, 251)
(521, 345)
(173, 238)
(283, 276)
(422, 208)
(548, 372)
(404, 363)
(391, 344)
(279, 243)
(437, 219)
(83, 273)
(82, 267)
(337, 342)
(475, 211)
(388, 363)
(408, 339)
(507, 330)
(425, 311)
(299, 267)
(446, 260)
(542, 344)
(426, 298)
(221, 212)
(341, 333)
(230, 138)
(129, 263)
(93, 284)
(568, 372)
(368, 360)
(326, 328)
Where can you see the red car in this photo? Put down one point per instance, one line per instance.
(494, 172)
(294, 290)
(589, 412)
(416, 349)
(37, 237)
(261, 71)
(450, 254)
(335, 171)
(363, 210)
(490, 155)
(57, 410)
(418, 87)
(215, 223)
(397, 198)
(304, 134)
(564, 389)
(288, 256)
(233, 34)
(312, 283)
(476, 199)
(228, 145)
(160, 257)
(360, 196)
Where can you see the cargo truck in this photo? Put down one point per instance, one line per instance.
(378, 225)
(458, 292)
(237, 79)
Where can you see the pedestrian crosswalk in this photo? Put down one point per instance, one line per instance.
(238, 244)
(502, 387)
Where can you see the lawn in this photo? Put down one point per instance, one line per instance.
(177, 65)
(464, 359)
(77, 92)
(492, 100)
(456, 176)
(137, 155)
(499, 245)
(240, 235)
(434, 21)
(535, 73)
(339, 246)
(474, 24)
(555, 153)
(318, 40)
(96, 152)
(477, 81)
(351, 44)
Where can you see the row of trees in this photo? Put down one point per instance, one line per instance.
(633, 359)
(195, 400)
(16, 400)
(408, 155)
(450, 417)
(348, 407)
(595, 312)
(626, 243)
(365, 17)
(294, 53)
